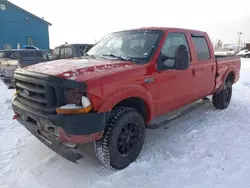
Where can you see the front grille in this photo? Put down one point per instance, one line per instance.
(41, 92)
(38, 94)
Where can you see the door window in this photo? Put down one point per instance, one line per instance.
(201, 48)
(172, 42)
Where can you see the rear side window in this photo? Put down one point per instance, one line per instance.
(201, 48)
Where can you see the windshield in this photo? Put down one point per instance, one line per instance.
(6, 54)
(137, 45)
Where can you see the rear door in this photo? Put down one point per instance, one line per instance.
(173, 88)
(205, 69)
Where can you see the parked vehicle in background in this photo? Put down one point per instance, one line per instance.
(225, 52)
(6, 54)
(247, 55)
(10, 60)
(111, 95)
(31, 47)
(66, 51)
(244, 53)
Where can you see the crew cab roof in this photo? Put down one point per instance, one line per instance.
(167, 28)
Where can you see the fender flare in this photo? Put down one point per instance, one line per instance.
(129, 92)
(224, 77)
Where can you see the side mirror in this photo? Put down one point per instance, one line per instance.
(169, 63)
(179, 62)
(181, 58)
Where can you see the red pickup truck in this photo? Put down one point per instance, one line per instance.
(126, 80)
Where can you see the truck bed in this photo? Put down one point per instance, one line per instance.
(226, 64)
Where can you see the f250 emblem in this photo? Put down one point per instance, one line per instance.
(149, 80)
(25, 92)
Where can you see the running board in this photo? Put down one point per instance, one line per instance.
(166, 118)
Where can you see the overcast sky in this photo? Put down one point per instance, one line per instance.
(86, 20)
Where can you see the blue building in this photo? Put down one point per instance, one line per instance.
(19, 27)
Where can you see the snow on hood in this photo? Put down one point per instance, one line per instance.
(79, 69)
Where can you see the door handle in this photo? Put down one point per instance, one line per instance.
(197, 70)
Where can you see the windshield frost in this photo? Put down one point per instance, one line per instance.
(128, 45)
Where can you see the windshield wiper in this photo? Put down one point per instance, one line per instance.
(122, 58)
(115, 56)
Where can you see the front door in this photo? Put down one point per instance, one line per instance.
(173, 88)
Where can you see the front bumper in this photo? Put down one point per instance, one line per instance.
(74, 129)
(71, 154)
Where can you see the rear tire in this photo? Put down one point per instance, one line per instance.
(122, 140)
(222, 99)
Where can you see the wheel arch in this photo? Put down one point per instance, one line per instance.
(133, 97)
(228, 76)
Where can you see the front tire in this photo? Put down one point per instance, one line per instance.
(122, 140)
(222, 99)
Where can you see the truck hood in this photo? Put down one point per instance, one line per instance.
(80, 69)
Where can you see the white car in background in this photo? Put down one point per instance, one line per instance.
(225, 52)
(244, 53)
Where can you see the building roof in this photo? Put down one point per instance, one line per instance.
(19, 8)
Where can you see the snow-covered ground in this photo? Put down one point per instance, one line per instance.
(206, 148)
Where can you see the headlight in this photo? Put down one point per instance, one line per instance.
(76, 103)
(73, 96)
(85, 102)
